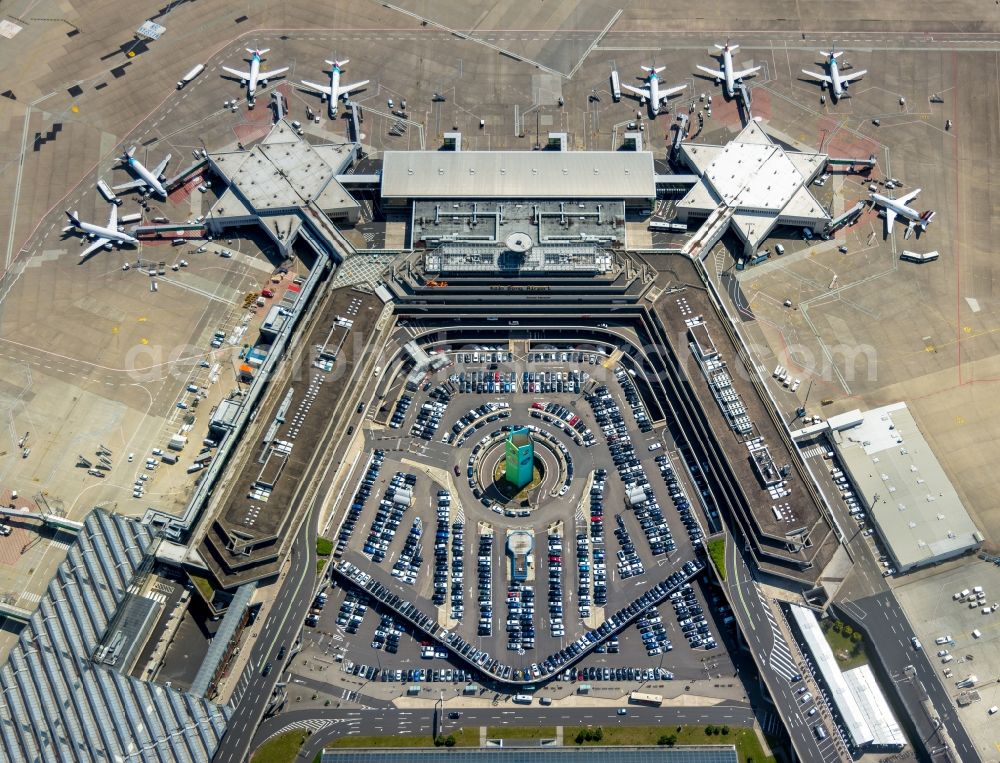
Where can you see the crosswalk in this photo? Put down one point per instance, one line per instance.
(157, 596)
(781, 660)
(28, 598)
(813, 452)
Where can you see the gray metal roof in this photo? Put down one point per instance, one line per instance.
(916, 508)
(518, 175)
(56, 703)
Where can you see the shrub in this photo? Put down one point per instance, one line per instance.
(667, 740)
(449, 741)
(856, 637)
(725, 730)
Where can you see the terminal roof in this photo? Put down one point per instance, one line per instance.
(518, 175)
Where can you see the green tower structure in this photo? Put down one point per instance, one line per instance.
(520, 462)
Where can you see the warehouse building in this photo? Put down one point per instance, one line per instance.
(910, 499)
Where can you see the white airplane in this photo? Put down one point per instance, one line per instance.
(894, 207)
(833, 78)
(151, 180)
(652, 92)
(255, 76)
(334, 91)
(102, 236)
(726, 73)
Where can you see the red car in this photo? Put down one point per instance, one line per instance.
(457, 470)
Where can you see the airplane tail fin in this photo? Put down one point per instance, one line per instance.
(127, 154)
(926, 217)
(73, 218)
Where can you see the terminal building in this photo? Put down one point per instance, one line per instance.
(752, 185)
(904, 489)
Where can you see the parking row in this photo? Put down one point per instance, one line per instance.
(681, 502)
(549, 667)
(399, 412)
(563, 418)
(542, 382)
(629, 563)
(691, 618)
(484, 568)
(397, 499)
(428, 418)
(555, 549)
(407, 566)
(358, 503)
(634, 400)
(441, 536)
(520, 617)
(485, 382)
(457, 571)
(476, 419)
(653, 634)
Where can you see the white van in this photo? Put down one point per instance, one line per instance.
(655, 446)
(522, 699)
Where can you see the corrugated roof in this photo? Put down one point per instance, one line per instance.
(885, 728)
(56, 703)
(518, 175)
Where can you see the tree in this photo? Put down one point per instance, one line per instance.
(710, 729)
(667, 740)
(848, 630)
(449, 741)
(725, 730)
(837, 625)
(856, 637)
(598, 734)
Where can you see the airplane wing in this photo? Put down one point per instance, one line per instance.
(853, 76)
(314, 86)
(345, 89)
(664, 94)
(161, 166)
(641, 91)
(890, 218)
(817, 75)
(236, 72)
(746, 72)
(98, 243)
(113, 219)
(273, 73)
(713, 72)
(908, 197)
(140, 183)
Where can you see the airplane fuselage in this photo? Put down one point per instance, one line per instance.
(153, 183)
(727, 70)
(333, 100)
(99, 231)
(836, 86)
(254, 75)
(900, 209)
(654, 93)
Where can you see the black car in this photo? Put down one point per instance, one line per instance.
(267, 669)
(281, 652)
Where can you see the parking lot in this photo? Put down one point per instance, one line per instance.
(608, 517)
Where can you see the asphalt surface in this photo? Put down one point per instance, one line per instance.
(871, 606)
(327, 725)
(774, 659)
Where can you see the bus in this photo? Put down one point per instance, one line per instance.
(639, 698)
(669, 227)
(919, 257)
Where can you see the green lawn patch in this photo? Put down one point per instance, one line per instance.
(717, 552)
(463, 738)
(324, 546)
(320, 564)
(281, 748)
(748, 748)
(204, 587)
(848, 645)
(521, 732)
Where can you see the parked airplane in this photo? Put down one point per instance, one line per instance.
(334, 91)
(652, 92)
(255, 76)
(726, 73)
(833, 78)
(102, 236)
(151, 180)
(894, 207)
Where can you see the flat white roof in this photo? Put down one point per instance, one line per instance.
(874, 707)
(842, 697)
(910, 498)
(518, 175)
